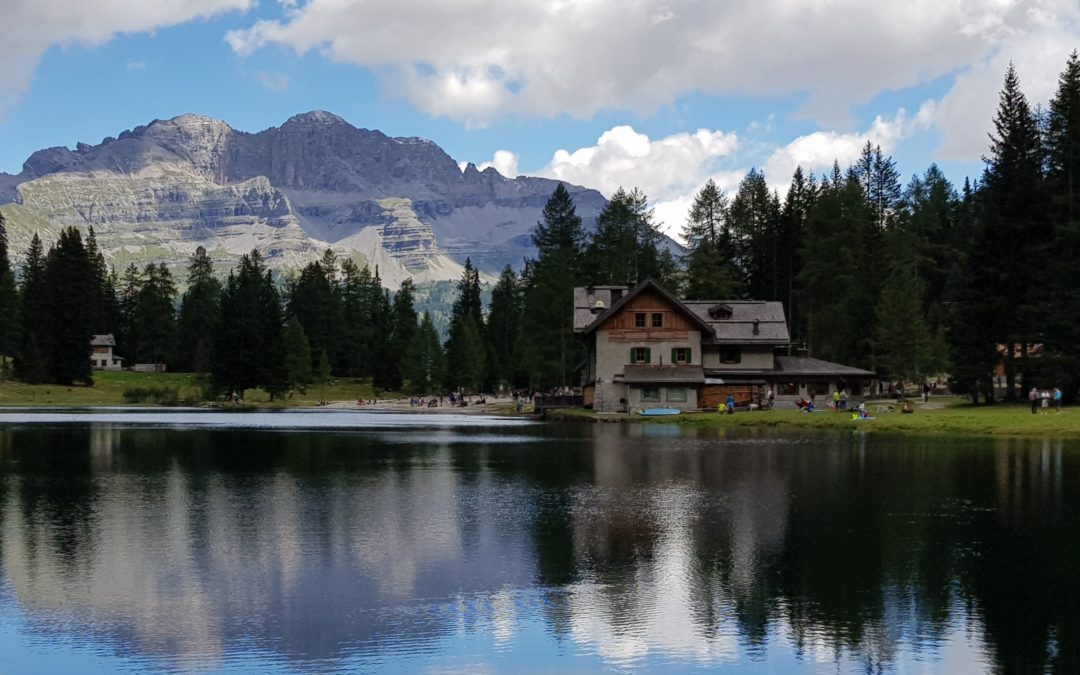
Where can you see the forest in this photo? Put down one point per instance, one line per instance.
(911, 279)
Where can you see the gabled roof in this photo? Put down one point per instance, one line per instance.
(749, 321)
(103, 341)
(636, 291)
(805, 366)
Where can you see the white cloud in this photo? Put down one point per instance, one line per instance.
(477, 60)
(136, 66)
(669, 170)
(505, 162)
(32, 26)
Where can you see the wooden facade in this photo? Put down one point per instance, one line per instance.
(676, 325)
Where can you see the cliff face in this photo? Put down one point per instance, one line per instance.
(158, 191)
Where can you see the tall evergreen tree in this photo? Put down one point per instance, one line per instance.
(793, 218)
(547, 349)
(315, 300)
(755, 216)
(71, 293)
(626, 246)
(128, 300)
(423, 365)
(403, 328)
(30, 365)
(465, 344)
(9, 307)
(155, 316)
(880, 182)
(710, 248)
(198, 314)
(504, 330)
(298, 355)
(902, 341)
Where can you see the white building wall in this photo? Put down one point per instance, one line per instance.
(613, 355)
(755, 358)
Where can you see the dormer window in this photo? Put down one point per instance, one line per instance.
(639, 319)
(657, 320)
(720, 312)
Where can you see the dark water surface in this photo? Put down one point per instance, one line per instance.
(351, 542)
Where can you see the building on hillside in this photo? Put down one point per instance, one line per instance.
(101, 353)
(646, 348)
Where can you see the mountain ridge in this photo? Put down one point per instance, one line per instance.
(157, 191)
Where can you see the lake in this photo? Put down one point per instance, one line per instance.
(322, 541)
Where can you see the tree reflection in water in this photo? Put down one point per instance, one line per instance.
(335, 549)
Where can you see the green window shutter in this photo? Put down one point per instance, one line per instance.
(738, 356)
(673, 359)
(648, 355)
(633, 354)
(689, 355)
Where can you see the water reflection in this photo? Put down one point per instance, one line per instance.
(257, 550)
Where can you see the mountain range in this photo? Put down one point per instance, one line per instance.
(157, 192)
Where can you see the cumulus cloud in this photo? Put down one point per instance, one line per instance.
(35, 25)
(818, 151)
(669, 170)
(504, 161)
(477, 60)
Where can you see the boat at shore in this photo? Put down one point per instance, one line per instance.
(659, 411)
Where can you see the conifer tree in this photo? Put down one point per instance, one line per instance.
(403, 328)
(198, 314)
(30, 366)
(710, 272)
(298, 355)
(626, 246)
(465, 344)
(126, 336)
(902, 341)
(315, 300)
(793, 218)
(423, 365)
(9, 307)
(71, 292)
(547, 349)
(155, 316)
(754, 217)
(503, 329)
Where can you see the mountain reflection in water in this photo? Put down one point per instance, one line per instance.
(585, 547)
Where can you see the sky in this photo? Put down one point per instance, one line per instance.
(656, 94)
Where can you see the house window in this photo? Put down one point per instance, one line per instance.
(676, 394)
(731, 356)
(640, 355)
(789, 388)
(639, 320)
(657, 320)
(680, 355)
(650, 393)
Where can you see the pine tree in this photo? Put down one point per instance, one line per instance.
(315, 300)
(30, 363)
(754, 219)
(547, 349)
(155, 316)
(710, 272)
(793, 218)
(298, 355)
(71, 293)
(880, 182)
(902, 341)
(403, 328)
(465, 344)
(423, 365)
(9, 306)
(198, 314)
(504, 329)
(126, 335)
(626, 246)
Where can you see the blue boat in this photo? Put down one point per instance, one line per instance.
(659, 411)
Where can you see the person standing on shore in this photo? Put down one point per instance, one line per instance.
(1033, 396)
(1057, 398)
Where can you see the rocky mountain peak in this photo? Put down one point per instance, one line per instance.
(315, 118)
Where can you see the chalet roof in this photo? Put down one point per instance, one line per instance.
(739, 328)
(599, 319)
(804, 366)
(663, 375)
(106, 340)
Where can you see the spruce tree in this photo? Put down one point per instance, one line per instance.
(710, 248)
(9, 307)
(902, 341)
(155, 316)
(403, 328)
(126, 335)
(547, 349)
(793, 217)
(315, 300)
(465, 344)
(754, 219)
(298, 355)
(30, 365)
(71, 293)
(198, 314)
(504, 330)
(423, 364)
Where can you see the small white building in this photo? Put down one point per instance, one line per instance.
(101, 353)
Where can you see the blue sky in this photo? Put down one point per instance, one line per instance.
(659, 94)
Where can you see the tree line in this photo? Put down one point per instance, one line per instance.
(910, 280)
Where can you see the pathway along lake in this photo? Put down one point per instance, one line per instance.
(356, 542)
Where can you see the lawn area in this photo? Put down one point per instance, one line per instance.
(941, 416)
(109, 388)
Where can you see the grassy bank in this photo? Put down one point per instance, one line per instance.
(941, 416)
(128, 388)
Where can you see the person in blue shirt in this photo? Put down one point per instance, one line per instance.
(730, 404)
(1057, 399)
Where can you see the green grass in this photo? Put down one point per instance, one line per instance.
(944, 416)
(109, 388)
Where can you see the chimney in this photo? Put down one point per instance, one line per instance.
(599, 307)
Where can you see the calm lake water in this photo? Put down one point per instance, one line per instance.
(360, 542)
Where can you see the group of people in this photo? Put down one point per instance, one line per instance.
(1043, 398)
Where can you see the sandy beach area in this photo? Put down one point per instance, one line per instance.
(492, 406)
